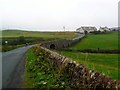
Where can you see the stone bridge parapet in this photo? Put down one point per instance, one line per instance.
(58, 44)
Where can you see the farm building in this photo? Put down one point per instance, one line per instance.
(104, 29)
(86, 29)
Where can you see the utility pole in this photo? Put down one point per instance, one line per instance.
(64, 28)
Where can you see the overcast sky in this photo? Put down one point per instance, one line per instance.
(54, 14)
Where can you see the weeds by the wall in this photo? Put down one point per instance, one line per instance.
(49, 70)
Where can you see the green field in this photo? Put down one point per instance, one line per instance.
(103, 63)
(102, 41)
(36, 34)
(17, 38)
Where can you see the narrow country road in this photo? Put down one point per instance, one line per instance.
(13, 63)
(79, 36)
(13, 66)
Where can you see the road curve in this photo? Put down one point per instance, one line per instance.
(11, 60)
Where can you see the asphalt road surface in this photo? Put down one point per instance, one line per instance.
(13, 64)
(79, 36)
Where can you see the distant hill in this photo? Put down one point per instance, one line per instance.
(11, 33)
(35, 34)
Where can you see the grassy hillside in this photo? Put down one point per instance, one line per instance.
(103, 63)
(101, 41)
(36, 34)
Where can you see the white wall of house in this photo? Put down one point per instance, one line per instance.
(88, 29)
(103, 29)
(80, 30)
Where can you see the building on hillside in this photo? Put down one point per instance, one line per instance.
(104, 29)
(86, 29)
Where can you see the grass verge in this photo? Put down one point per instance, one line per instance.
(39, 72)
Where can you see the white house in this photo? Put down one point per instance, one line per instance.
(104, 29)
(79, 30)
(88, 29)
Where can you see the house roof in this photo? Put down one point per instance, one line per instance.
(104, 27)
(87, 28)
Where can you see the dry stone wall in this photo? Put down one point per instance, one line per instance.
(80, 75)
(58, 44)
